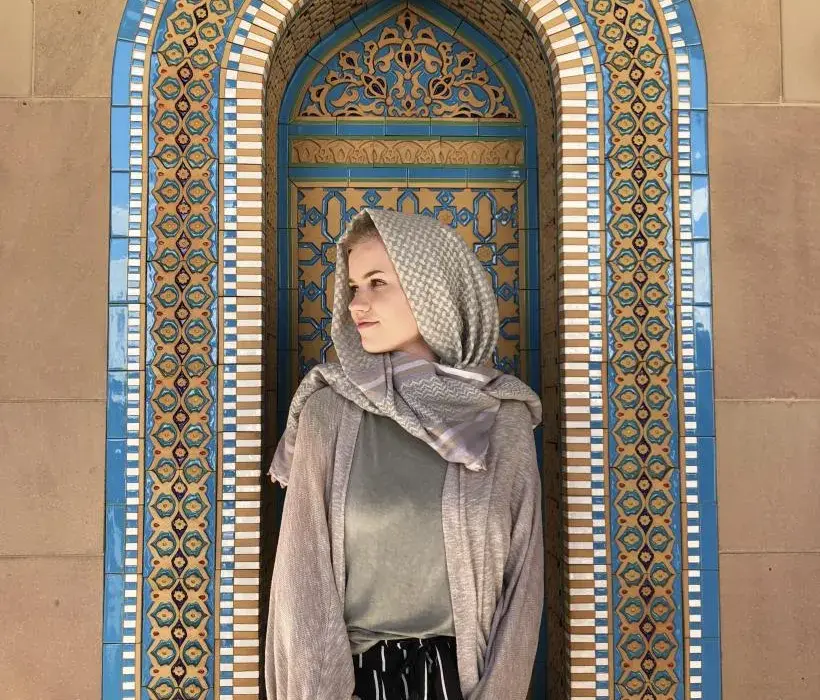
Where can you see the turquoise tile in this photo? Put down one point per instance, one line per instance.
(294, 91)
(130, 21)
(708, 536)
(120, 138)
(529, 331)
(117, 336)
(417, 127)
(697, 67)
(490, 127)
(707, 475)
(323, 172)
(465, 127)
(438, 173)
(115, 461)
(688, 23)
(113, 601)
(118, 270)
(286, 272)
(522, 98)
(704, 388)
(120, 204)
(703, 337)
(115, 539)
(700, 142)
(360, 127)
(703, 273)
(112, 677)
(710, 595)
(116, 414)
(323, 128)
(386, 172)
(531, 246)
(121, 74)
(700, 208)
(481, 173)
(710, 668)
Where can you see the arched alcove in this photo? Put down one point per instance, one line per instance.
(631, 381)
(467, 155)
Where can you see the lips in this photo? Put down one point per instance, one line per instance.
(366, 324)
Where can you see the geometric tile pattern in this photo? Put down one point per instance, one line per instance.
(207, 635)
(642, 412)
(488, 219)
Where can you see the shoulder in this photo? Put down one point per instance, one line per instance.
(512, 422)
(323, 408)
(512, 442)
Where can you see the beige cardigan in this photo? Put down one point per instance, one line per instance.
(494, 549)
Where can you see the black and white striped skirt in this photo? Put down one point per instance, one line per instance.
(408, 669)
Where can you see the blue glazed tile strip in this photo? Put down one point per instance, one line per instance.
(709, 536)
(703, 337)
(709, 603)
(115, 539)
(416, 127)
(130, 21)
(697, 66)
(118, 270)
(116, 408)
(711, 668)
(120, 83)
(700, 142)
(115, 471)
(120, 203)
(120, 138)
(700, 208)
(704, 383)
(114, 595)
(112, 675)
(360, 127)
(707, 482)
(703, 273)
(689, 26)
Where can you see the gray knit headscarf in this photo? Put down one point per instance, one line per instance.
(451, 404)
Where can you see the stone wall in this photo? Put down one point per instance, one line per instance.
(55, 68)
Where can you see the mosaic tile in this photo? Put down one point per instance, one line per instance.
(232, 107)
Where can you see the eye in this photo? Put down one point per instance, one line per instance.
(353, 287)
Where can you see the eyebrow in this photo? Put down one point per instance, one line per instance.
(368, 274)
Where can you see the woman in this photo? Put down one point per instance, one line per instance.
(410, 559)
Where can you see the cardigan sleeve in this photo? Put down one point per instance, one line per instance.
(513, 639)
(307, 651)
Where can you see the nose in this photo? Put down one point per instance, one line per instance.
(359, 303)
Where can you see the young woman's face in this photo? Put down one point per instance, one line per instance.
(379, 297)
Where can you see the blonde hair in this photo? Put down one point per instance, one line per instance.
(363, 229)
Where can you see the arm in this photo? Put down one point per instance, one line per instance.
(307, 651)
(513, 640)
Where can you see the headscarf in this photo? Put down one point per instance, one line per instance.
(452, 403)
